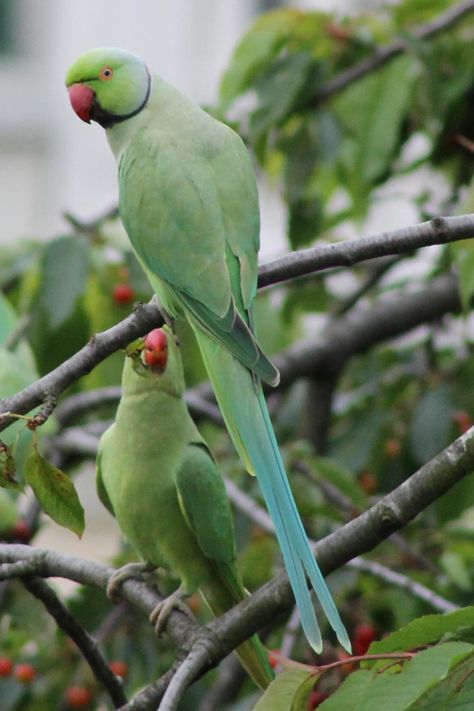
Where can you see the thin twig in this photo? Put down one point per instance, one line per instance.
(439, 230)
(85, 643)
(384, 54)
(246, 505)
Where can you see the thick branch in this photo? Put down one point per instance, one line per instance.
(358, 536)
(225, 633)
(353, 334)
(384, 54)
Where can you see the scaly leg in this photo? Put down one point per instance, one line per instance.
(161, 612)
(126, 572)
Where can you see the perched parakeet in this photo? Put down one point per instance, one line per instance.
(188, 201)
(158, 478)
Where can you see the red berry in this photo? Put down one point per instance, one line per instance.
(364, 635)
(155, 351)
(78, 697)
(316, 698)
(123, 294)
(272, 658)
(463, 420)
(393, 447)
(119, 668)
(6, 666)
(21, 531)
(25, 673)
(369, 482)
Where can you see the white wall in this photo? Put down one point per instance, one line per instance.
(50, 161)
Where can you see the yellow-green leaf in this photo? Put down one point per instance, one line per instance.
(290, 691)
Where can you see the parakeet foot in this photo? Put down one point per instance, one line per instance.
(130, 570)
(161, 612)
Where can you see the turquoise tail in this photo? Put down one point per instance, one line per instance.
(245, 412)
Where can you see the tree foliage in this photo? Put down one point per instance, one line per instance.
(343, 115)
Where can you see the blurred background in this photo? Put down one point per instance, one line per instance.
(49, 161)
(392, 338)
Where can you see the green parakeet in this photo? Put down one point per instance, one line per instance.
(188, 201)
(157, 476)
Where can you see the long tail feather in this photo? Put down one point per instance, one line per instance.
(246, 415)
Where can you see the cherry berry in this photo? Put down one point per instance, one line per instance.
(119, 668)
(6, 666)
(123, 294)
(155, 350)
(25, 673)
(78, 697)
(364, 635)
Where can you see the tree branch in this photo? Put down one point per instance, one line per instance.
(440, 230)
(224, 634)
(85, 643)
(147, 316)
(384, 54)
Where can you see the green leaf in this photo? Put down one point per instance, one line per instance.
(456, 569)
(8, 512)
(463, 253)
(430, 429)
(7, 468)
(373, 110)
(397, 686)
(341, 477)
(350, 694)
(55, 492)
(455, 693)
(279, 91)
(425, 630)
(288, 692)
(64, 270)
(261, 43)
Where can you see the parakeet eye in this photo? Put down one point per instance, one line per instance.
(106, 73)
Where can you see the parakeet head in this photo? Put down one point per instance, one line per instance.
(108, 85)
(155, 364)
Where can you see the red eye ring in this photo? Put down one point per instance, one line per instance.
(106, 73)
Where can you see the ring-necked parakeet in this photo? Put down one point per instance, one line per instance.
(158, 478)
(188, 201)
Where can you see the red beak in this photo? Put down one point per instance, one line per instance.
(81, 98)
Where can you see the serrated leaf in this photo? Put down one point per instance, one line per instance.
(397, 688)
(455, 693)
(64, 270)
(396, 692)
(55, 492)
(291, 687)
(425, 630)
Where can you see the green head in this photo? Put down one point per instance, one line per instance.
(108, 85)
(155, 365)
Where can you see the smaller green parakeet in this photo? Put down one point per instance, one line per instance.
(158, 478)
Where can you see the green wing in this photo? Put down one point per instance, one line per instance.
(204, 503)
(101, 490)
(196, 231)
